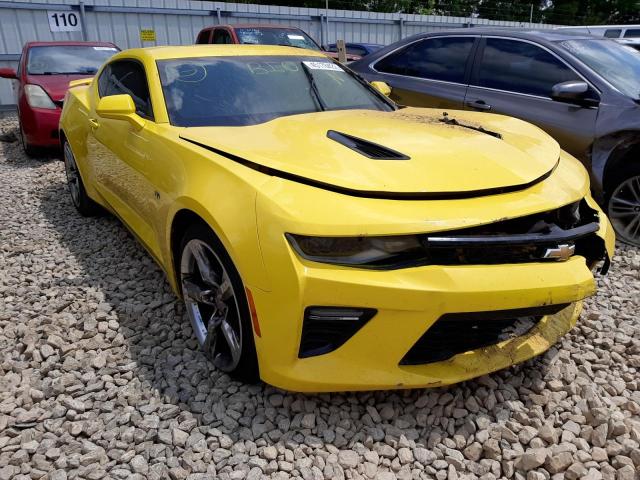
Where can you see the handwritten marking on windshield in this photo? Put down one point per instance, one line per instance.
(266, 68)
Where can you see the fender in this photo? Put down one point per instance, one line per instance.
(608, 153)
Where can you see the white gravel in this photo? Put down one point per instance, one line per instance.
(100, 377)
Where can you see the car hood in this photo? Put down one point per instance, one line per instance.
(472, 153)
(56, 86)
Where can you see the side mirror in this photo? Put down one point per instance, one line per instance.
(382, 87)
(119, 107)
(8, 73)
(573, 91)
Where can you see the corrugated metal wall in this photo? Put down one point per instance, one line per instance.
(178, 22)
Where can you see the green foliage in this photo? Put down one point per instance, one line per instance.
(563, 12)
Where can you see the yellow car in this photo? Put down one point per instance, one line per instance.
(323, 238)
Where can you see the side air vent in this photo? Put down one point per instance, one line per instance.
(365, 147)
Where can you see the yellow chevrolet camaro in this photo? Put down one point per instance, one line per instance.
(323, 238)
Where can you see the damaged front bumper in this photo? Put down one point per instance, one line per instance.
(458, 291)
(407, 303)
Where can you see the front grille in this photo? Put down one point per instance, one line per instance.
(519, 240)
(455, 333)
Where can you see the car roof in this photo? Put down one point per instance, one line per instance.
(255, 25)
(364, 44)
(70, 43)
(550, 35)
(228, 50)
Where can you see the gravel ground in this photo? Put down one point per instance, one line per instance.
(100, 377)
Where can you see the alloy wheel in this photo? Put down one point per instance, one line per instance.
(73, 176)
(211, 304)
(624, 210)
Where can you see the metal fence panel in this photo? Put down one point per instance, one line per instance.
(177, 22)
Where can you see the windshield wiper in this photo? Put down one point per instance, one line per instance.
(314, 87)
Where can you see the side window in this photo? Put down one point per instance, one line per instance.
(221, 36)
(632, 33)
(435, 59)
(103, 81)
(127, 77)
(203, 37)
(521, 67)
(612, 33)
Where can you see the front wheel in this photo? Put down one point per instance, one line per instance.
(79, 197)
(623, 206)
(29, 149)
(216, 304)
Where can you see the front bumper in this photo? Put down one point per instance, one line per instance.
(408, 302)
(40, 126)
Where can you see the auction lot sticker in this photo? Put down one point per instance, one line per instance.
(64, 21)
(323, 66)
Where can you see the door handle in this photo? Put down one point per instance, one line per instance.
(93, 123)
(478, 104)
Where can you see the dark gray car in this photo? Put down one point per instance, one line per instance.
(582, 90)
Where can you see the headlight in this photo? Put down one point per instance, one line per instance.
(37, 97)
(372, 251)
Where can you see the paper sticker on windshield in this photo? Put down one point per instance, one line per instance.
(295, 37)
(111, 49)
(323, 66)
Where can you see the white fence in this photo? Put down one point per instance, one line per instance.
(177, 22)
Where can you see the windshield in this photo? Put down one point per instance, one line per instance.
(276, 36)
(616, 63)
(67, 59)
(235, 91)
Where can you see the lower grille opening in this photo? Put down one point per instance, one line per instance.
(455, 333)
(324, 329)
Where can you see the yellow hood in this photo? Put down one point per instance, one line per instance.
(443, 158)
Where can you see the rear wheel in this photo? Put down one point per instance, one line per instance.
(79, 197)
(623, 205)
(216, 304)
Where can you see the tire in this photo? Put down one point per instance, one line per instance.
(85, 206)
(29, 149)
(213, 292)
(623, 204)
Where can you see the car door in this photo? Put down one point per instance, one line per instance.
(430, 72)
(515, 77)
(120, 151)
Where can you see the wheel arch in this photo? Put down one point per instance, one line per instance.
(182, 219)
(613, 154)
(241, 247)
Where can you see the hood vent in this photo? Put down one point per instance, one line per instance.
(365, 147)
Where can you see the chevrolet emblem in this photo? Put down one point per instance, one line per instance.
(561, 252)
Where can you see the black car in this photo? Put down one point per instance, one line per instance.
(582, 90)
(360, 49)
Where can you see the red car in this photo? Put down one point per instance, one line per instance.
(44, 72)
(263, 35)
